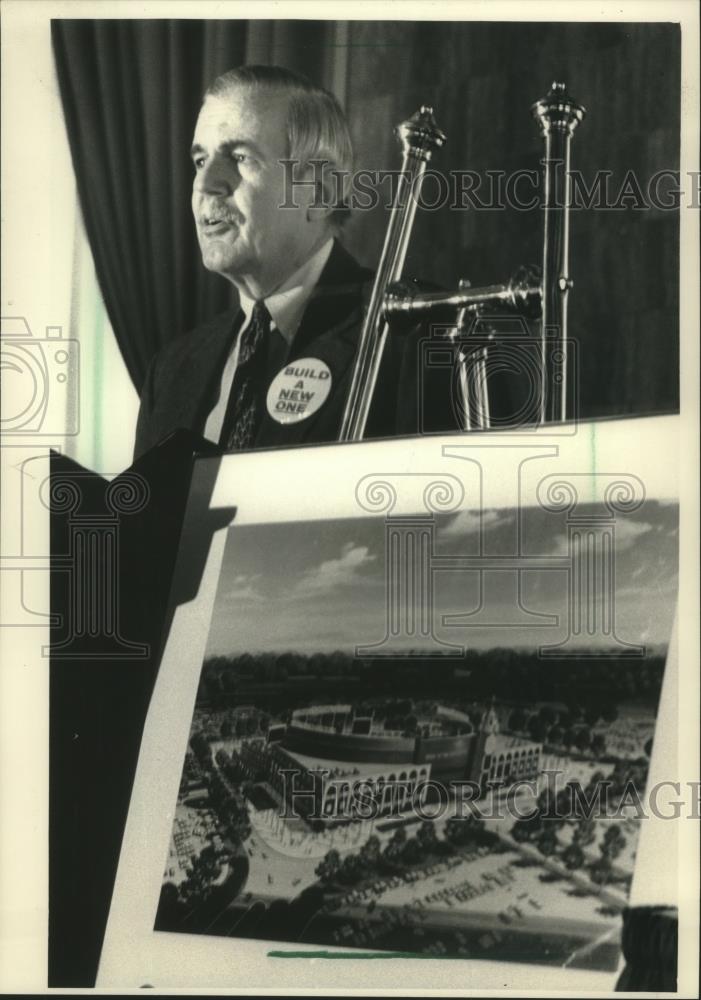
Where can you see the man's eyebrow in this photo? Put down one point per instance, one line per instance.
(228, 147)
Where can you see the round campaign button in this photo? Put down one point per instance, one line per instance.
(298, 390)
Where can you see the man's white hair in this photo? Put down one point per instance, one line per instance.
(316, 125)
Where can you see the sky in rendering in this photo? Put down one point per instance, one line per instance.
(322, 586)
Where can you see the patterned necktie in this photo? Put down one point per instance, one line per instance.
(244, 410)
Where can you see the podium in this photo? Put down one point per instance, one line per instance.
(113, 547)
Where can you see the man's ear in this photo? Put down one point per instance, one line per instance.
(324, 195)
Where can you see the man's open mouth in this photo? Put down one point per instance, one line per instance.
(215, 224)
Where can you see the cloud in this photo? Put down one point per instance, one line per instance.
(628, 531)
(626, 534)
(561, 546)
(333, 573)
(650, 590)
(468, 522)
(243, 589)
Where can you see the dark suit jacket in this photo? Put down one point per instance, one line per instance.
(182, 381)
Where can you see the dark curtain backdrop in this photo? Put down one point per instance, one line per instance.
(131, 93)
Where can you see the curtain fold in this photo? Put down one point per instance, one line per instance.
(131, 91)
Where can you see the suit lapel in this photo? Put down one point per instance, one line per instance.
(335, 300)
(328, 332)
(209, 359)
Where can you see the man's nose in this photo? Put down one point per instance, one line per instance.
(217, 177)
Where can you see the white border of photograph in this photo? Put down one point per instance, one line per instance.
(34, 265)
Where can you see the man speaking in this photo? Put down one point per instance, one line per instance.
(276, 371)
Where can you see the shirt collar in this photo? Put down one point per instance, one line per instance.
(287, 303)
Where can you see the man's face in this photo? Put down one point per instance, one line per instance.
(244, 235)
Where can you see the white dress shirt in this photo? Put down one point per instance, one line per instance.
(286, 306)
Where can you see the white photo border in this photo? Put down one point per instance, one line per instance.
(32, 285)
